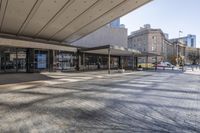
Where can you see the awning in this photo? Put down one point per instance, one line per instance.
(114, 50)
(61, 20)
(149, 54)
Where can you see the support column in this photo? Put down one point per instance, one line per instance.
(83, 61)
(51, 60)
(136, 63)
(78, 61)
(177, 56)
(133, 64)
(119, 62)
(109, 61)
(16, 52)
(147, 62)
(30, 60)
(156, 63)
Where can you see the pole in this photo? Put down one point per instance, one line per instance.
(133, 64)
(177, 55)
(156, 63)
(108, 60)
(147, 62)
(84, 64)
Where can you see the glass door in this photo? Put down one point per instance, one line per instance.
(21, 60)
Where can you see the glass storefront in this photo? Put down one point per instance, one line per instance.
(36, 60)
(12, 60)
(94, 62)
(65, 61)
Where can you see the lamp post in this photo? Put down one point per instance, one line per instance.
(178, 47)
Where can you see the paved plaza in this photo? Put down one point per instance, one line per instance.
(150, 102)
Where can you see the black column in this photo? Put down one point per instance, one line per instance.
(30, 66)
(136, 63)
(51, 60)
(78, 63)
(120, 62)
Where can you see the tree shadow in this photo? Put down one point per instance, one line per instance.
(22, 77)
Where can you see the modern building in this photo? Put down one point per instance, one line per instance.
(36, 35)
(111, 34)
(189, 40)
(115, 23)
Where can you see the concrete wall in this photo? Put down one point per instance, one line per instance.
(104, 36)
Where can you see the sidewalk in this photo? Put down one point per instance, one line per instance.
(195, 72)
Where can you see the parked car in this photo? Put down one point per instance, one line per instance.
(165, 64)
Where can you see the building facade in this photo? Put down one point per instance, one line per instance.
(152, 40)
(189, 40)
(111, 34)
(21, 55)
(148, 40)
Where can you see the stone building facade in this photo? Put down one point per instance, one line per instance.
(149, 40)
(155, 41)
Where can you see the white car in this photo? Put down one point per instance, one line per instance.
(165, 64)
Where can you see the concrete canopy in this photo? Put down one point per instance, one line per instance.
(32, 44)
(60, 20)
(114, 51)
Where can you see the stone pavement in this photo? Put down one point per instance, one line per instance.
(89, 103)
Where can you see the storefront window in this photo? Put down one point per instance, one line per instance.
(41, 60)
(100, 62)
(65, 61)
(12, 60)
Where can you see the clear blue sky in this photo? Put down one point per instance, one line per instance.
(169, 15)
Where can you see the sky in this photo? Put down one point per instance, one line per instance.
(171, 16)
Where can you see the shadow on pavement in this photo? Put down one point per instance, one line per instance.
(20, 78)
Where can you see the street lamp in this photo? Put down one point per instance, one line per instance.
(180, 33)
(178, 47)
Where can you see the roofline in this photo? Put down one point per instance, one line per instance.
(146, 30)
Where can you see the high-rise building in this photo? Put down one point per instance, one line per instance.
(189, 40)
(115, 23)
